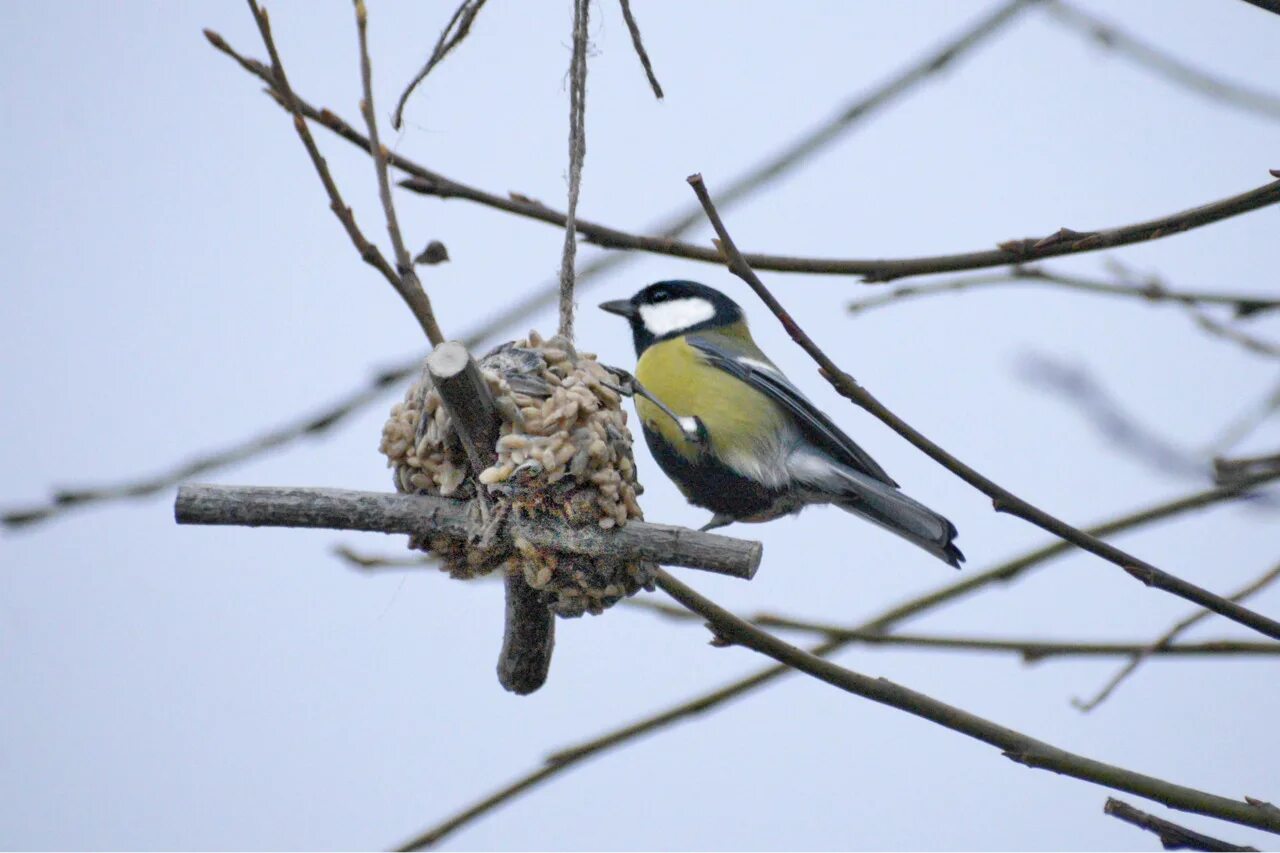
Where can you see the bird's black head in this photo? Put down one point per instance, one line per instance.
(669, 309)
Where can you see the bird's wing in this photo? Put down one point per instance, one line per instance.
(753, 368)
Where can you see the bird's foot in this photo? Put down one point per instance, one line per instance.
(691, 425)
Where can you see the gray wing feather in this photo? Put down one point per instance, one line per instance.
(768, 380)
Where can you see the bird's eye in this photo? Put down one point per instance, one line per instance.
(660, 296)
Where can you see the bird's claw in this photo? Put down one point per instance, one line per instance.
(692, 426)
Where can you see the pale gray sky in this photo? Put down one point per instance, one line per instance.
(175, 281)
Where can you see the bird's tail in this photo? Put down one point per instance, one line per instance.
(891, 509)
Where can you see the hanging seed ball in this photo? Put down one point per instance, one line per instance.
(563, 450)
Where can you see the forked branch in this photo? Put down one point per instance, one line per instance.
(1064, 241)
(416, 299)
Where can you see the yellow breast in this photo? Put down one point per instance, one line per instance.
(738, 418)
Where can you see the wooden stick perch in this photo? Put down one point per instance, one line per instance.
(344, 509)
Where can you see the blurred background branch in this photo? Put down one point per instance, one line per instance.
(1165, 64)
(458, 28)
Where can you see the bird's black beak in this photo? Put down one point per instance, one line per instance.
(621, 307)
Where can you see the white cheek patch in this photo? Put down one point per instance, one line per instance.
(667, 317)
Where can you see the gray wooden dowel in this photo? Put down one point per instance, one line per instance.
(528, 639)
(467, 399)
(528, 629)
(344, 509)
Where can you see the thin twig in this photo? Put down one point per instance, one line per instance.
(577, 152)
(312, 424)
(1016, 746)
(1150, 289)
(450, 37)
(1172, 836)
(1166, 64)
(367, 562)
(1242, 304)
(1030, 650)
(1002, 499)
(675, 224)
(638, 43)
(415, 299)
(1064, 241)
(1165, 640)
(1227, 332)
(564, 759)
(409, 283)
(1088, 395)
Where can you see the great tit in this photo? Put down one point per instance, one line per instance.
(760, 450)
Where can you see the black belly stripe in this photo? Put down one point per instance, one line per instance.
(708, 482)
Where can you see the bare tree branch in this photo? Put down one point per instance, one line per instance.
(409, 283)
(416, 299)
(1083, 392)
(313, 424)
(672, 226)
(857, 110)
(529, 626)
(1166, 639)
(1268, 5)
(1241, 304)
(451, 36)
(1002, 499)
(1205, 321)
(1015, 745)
(1230, 333)
(1064, 241)
(566, 758)
(1229, 470)
(368, 562)
(1172, 836)
(1030, 650)
(1240, 427)
(638, 43)
(1244, 424)
(345, 509)
(1112, 38)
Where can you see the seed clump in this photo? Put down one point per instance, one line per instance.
(564, 452)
